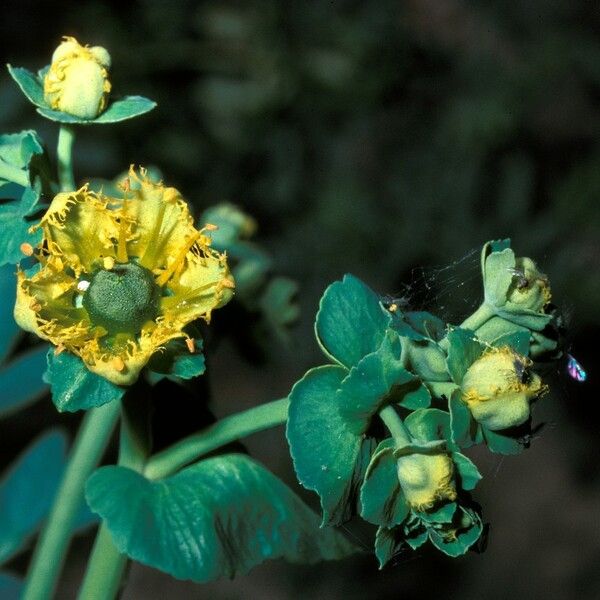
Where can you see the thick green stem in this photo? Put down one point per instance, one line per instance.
(482, 315)
(64, 153)
(220, 433)
(50, 552)
(394, 423)
(10, 173)
(106, 566)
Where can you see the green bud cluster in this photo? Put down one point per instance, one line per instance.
(438, 387)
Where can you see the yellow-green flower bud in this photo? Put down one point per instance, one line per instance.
(77, 81)
(530, 288)
(499, 387)
(426, 479)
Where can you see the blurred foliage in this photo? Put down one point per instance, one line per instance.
(363, 136)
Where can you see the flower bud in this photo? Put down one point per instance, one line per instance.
(77, 80)
(499, 387)
(530, 288)
(427, 360)
(426, 479)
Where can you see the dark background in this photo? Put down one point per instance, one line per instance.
(368, 137)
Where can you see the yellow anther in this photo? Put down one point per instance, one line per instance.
(118, 364)
(108, 263)
(228, 283)
(59, 349)
(191, 345)
(26, 249)
(211, 227)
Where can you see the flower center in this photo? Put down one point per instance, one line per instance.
(122, 299)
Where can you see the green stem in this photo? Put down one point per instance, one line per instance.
(394, 423)
(9, 172)
(220, 433)
(50, 552)
(481, 316)
(106, 566)
(64, 153)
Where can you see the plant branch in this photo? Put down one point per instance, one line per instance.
(220, 433)
(64, 153)
(394, 423)
(51, 548)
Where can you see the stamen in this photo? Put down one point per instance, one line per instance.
(26, 249)
(108, 263)
(191, 345)
(168, 272)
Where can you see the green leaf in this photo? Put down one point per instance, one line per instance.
(232, 222)
(417, 398)
(74, 387)
(9, 330)
(428, 425)
(16, 205)
(278, 305)
(372, 382)
(29, 83)
(467, 471)
(463, 350)
(428, 325)
(501, 444)
(217, 518)
(351, 322)
(517, 340)
(497, 275)
(442, 514)
(381, 498)
(123, 109)
(324, 448)
(21, 380)
(467, 530)
(387, 545)
(462, 424)
(27, 491)
(11, 587)
(175, 361)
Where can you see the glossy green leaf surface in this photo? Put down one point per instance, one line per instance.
(463, 350)
(21, 380)
(175, 361)
(27, 490)
(218, 518)
(372, 381)
(119, 110)
(74, 387)
(351, 322)
(324, 447)
(381, 498)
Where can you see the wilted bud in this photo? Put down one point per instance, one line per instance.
(77, 81)
(499, 387)
(426, 479)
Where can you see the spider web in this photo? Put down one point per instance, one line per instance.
(451, 292)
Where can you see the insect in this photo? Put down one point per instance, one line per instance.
(575, 370)
(522, 281)
(521, 371)
(394, 303)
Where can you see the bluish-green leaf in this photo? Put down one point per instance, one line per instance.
(467, 471)
(466, 532)
(428, 325)
(388, 545)
(16, 205)
(372, 382)
(125, 108)
(351, 322)
(29, 83)
(463, 350)
(278, 304)
(428, 425)
(517, 340)
(21, 380)
(217, 518)
(441, 514)
(11, 587)
(232, 222)
(9, 330)
(27, 491)
(416, 398)
(500, 443)
(74, 387)
(175, 361)
(462, 424)
(324, 448)
(381, 498)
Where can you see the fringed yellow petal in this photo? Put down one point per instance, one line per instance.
(82, 227)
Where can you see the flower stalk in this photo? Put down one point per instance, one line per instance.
(64, 153)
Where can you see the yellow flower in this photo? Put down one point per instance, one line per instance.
(119, 278)
(426, 479)
(499, 387)
(77, 81)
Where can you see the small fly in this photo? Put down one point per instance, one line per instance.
(522, 281)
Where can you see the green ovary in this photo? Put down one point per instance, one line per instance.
(122, 299)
